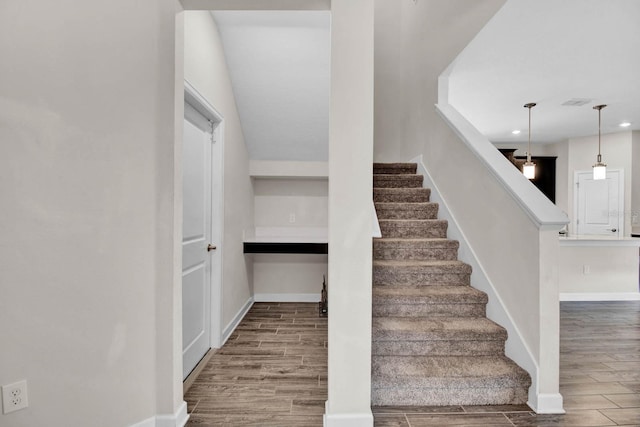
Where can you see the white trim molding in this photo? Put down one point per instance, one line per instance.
(179, 419)
(364, 419)
(599, 296)
(236, 320)
(315, 297)
(545, 403)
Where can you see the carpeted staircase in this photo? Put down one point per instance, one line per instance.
(432, 343)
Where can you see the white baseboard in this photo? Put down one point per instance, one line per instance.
(364, 419)
(287, 297)
(179, 419)
(599, 296)
(547, 403)
(236, 320)
(149, 422)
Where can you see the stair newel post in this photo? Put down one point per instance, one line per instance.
(350, 219)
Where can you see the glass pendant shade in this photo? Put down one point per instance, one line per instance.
(529, 170)
(599, 171)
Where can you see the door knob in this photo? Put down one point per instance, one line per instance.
(210, 248)
(614, 230)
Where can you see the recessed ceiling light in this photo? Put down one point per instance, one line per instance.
(515, 132)
(625, 124)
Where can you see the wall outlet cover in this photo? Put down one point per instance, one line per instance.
(14, 397)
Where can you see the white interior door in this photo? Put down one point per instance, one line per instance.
(599, 204)
(196, 262)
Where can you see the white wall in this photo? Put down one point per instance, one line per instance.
(290, 277)
(604, 270)
(86, 259)
(205, 68)
(415, 42)
(276, 200)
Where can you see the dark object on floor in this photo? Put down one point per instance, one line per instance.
(323, 309)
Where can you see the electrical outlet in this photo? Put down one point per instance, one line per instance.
(14, 397)
(586, 269)
(292, 218)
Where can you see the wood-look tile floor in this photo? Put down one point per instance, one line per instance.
(272, 372)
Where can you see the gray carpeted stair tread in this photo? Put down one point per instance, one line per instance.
(434, 266)
(453, 380)
(439, 242)
(409, 195)
(400, 168)
(428, 301)
(430, 228)
(412, 295)
(420, 273)
(397, 181)
(389, 248)
(388, 210)
(437, 329)
(424, 371)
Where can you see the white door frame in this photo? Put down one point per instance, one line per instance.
(574, 222)
(200, 103)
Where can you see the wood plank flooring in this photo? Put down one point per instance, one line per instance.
(272, 372)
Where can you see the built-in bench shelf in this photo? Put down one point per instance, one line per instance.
(285, 248)
(287, 240)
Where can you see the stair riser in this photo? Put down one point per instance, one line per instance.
(397, 181)
(390, 276)
(407, 211)
(395, 168)
(446, 397)
(414, 229)
(395, 195)
(383, 309)
(415, 254)
(437, 348)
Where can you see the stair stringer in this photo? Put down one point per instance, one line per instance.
(515, 347)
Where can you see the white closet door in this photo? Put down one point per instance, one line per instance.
(196, 262)
(598, 204)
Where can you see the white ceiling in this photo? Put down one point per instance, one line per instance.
(543, 51)
(279, 66)
(548, 52)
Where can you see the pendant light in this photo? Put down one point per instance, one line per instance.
(529, 168)
(599, 169)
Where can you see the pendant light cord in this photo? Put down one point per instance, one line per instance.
(599, 133)
(599, 108)
(529, 106)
